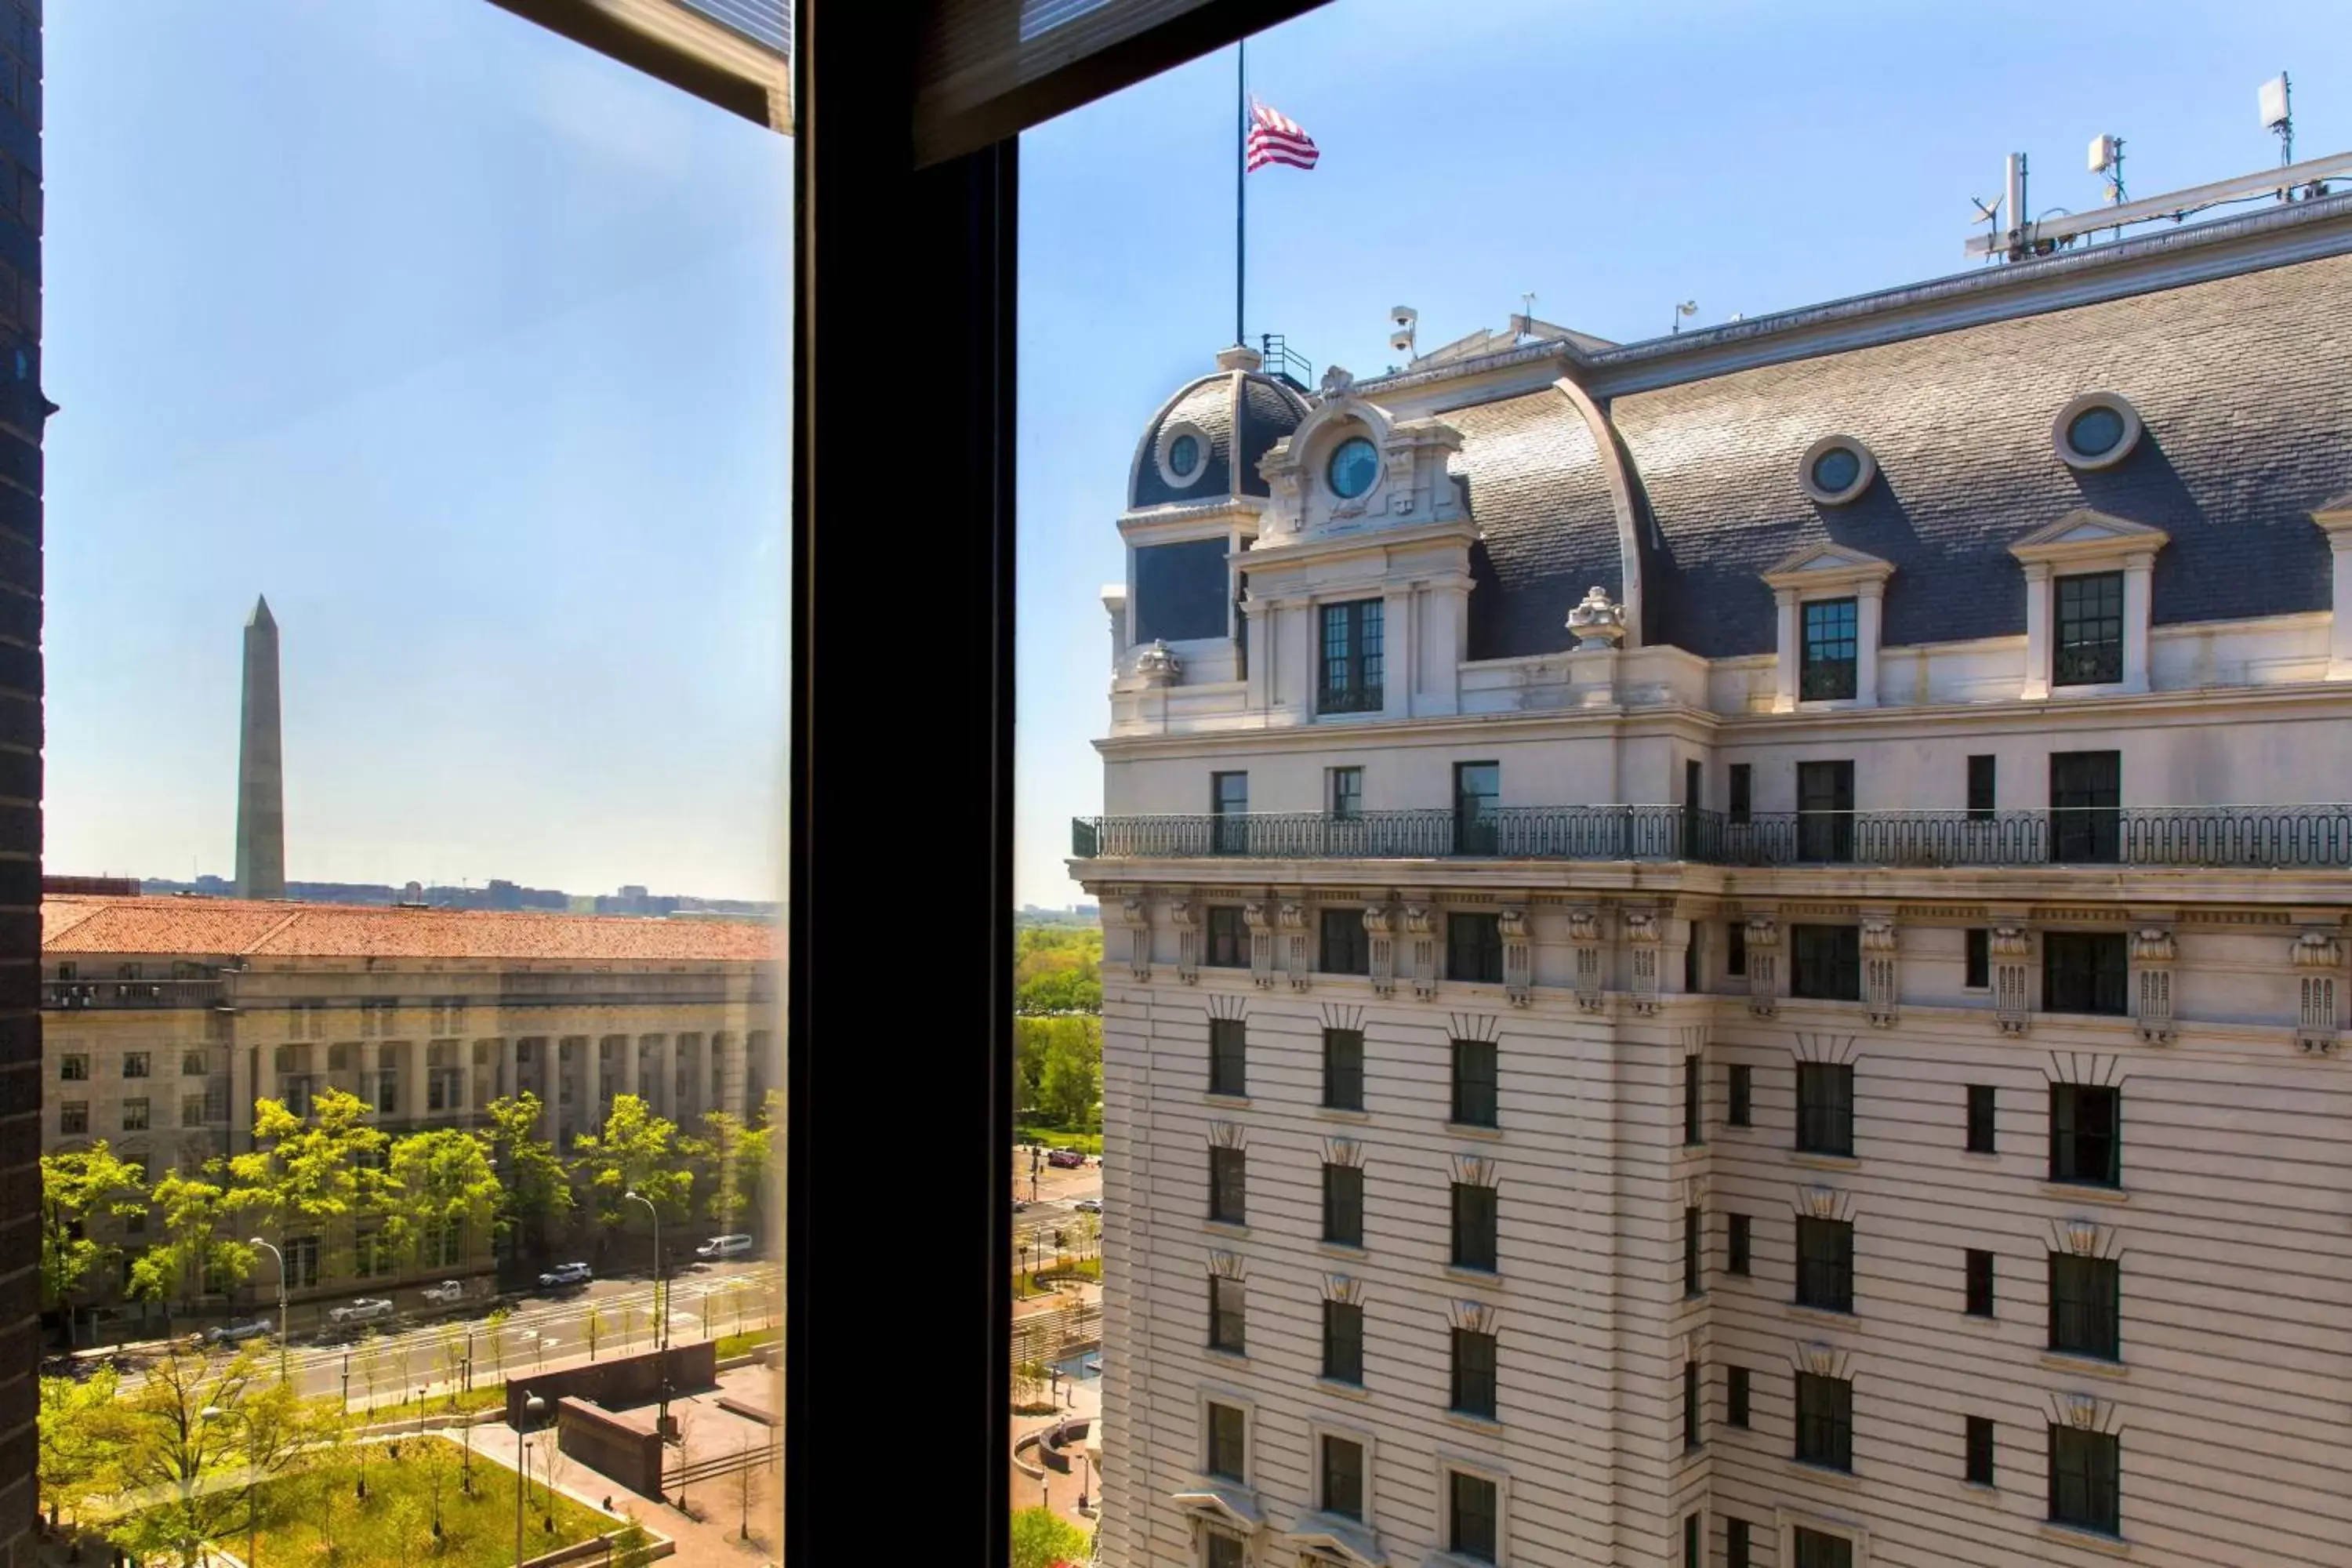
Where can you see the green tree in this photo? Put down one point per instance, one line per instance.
(634, 1151)
(1042, 1538)
(1057, 969)
(442, 1182)
(324, 1174)
(1058, 1066)
(194, 1256)
(534, 1191)
(77, 1187)
(81, 1436)
(734, 1159)
(201, 1437)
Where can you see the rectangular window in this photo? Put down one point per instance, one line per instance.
(1343, 1204)
(1477, 796)
(1472, 1516)
(192, 1064)
(73, 1067)
(1741, 806)
(73, 1117)
(1980, 1472)
(1228, 1453)
(1229, 941)
(1826, 962)
(1735, 1395)
(2089, 648)
(1228, 1320)
(134, 1063)
(1691, 1558)
(1474, 948)
(1474, 1372)
(2086, 1134)
(1825, 1421)
(1741, 1109)
(1475, 1214)
(1346, 945)
(1827, 669)
(1693, 1130)
(135, 1116)
(1825, 1108)
(1694, 1231)
(1981, 1119)
(1226, 1551)
(1229, 803)
(1474, 1074)
(1741, 1258)
(2085, 972)
(1692, 1436)
(1982, 772)
(1228, 1057)
(1229, 1185)
(1977, 975)
(191, 1111)
(1977, 1268)
(302, 1263)
(2087, 1480)
(1347, 803)
(2086, 797)
(1825, 1264)
(1343, 1341)
(2086, 1306)
(1352, 661)
(1825, 811)
(1735, 948)
(1694, 961)
(1817, 1550)
(1343, 1069)
(1343, 1477)
(1735, 1543)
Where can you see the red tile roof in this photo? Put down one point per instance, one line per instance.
(216, 926)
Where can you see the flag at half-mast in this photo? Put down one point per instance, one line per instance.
(1274, 138)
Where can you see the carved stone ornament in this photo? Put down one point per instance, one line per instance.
(2011, 942)
(2081, 1411)
(1596, 623)
(2082, 1236)
(1817, 1358)
(1155, 665)
(1819, 1202)
(1513, 924)
(1337, 383)
(1641, 928)
(1583, 925)
(1763, 931)
(2318, 949)
(1419, 919)
(2152, 944)
(1878, 936)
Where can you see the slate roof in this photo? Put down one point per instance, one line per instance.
(1538, 494)
(1260, 408)
(237, 928)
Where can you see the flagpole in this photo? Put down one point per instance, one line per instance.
(1241, 187)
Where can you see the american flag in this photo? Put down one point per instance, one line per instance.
(1275, 139)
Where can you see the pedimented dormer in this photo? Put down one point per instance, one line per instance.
(2087, 605)
(1829, 597)
(1351, 467)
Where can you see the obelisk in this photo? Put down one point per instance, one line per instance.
(260, 768)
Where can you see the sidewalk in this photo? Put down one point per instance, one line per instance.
(1058, 1491)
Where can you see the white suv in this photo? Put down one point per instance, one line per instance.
(724, 1246)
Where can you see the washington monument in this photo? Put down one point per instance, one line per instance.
(260, 768)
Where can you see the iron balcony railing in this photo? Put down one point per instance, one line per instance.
(2241, 836)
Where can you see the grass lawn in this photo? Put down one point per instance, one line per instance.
(315, 1520)
(1054, 1138)
(731, 1345)
(1041, 1281)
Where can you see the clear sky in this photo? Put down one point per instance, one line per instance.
(1613, 159)
(470, 349)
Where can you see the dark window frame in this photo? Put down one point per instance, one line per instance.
(1740, 806)
(1473, 947)
(2088, 1155)
(1229, 811)
(1478, 1073)
(1350, 645)
(1475, 1362)
(1693, 1251)
(2085, 807)
(1343, 792)
(1228, 1185)
(1229, 1057)
(1824, 1423)
(2087, 1480)
(1343, 946)
(1694, 1085)
(1819, 1549)
(1228, 1315)
(1976, 959)
(1224, 938)
(1332, 1479)
(2085, 1307)
(1825, 1264)
(1225, 1448)
(1476, 1213)
(1826, 962)
(2086, 973)
(1693, 1431)
(1737, 1397)
(1740, 1108)
(1825, 811)
(1343, 1204)
(1739, 1251)
(1473, 1514)
(1983, 1135)
(1735, 948)
(2086, 629)
(1343, 1343)
(1977, 1278)
(1477, 795)
(1984, 781)
(1736, 1544)
(1825, 1108)
(1829, 650)
(1978, 1470)
(1343, 1069)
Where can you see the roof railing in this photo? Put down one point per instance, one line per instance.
(1286, 364)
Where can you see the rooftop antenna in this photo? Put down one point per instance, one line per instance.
(1687, 308)
(1988, 214)
(2106, 158)
(2276, 100)
(2013, 203)
(1527, 313)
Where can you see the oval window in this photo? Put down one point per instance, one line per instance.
(1353, 467)
(2095, 431)
(1836, 469)
(1184, 456)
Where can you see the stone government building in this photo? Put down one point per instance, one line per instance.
(1730, 951)
(164, 1019)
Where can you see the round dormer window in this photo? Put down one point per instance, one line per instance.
(1184, 456)
(1181, 453)
(1353, 467)
(2096, 430)
(1836, 469)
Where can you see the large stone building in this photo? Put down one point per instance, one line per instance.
(165, 1019)
(1730, 950)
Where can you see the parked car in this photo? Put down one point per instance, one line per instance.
(366, 1309)
(233, 1334)
(564, 1274)
(1088, 1206)
(724, 1246)
(447, 1293)
(1066, 1160)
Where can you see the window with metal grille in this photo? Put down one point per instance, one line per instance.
(1735, 1395)
(1343, 1341)
(2087, 801)
(1977, 959)
(1825, 811)
(1343, 1477)
(1346, 945)
(1474, 948)
(1475, 1214)
(1227, 1323)
(1979, 1441)
(1353, 659)
(1825, 1264)
(2086, 1306)
(1825, 1108)
(1343, 1069)
(1825, 1421)
(2086, 1134)
(1978, 1271)
(1343, 1204)
(1474, 1088)
(1474, 1374)
(2087, 1480)
(1228, 1057)
(1228, 1454)
(1741, 1255)
(1347, 794)
(1472, 1516)
(2085, 972)
(1694, 1231)
(1228, 1185)
(1828, 667)
(2089, 648)
(1741, 1109)
(1229, 945)
(1816, 1549)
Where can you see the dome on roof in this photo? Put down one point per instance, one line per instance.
(1205, 442)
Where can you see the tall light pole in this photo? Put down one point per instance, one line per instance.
(532, 1405)
(281, 1304)
(252, 1492)
(661, 1302)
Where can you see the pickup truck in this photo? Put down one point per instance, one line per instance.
(447, 1293)
(366, 1309)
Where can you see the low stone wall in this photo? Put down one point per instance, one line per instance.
(619, 1380)
(627, 1450)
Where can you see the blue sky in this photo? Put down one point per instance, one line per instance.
(470, 349)
(1612, 159)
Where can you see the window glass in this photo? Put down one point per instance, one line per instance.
(1830, 657)
(1355, 466)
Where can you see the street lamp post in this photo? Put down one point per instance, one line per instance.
(661, 1304)
(532, 1405)
(252, 1492)
(281, 1304)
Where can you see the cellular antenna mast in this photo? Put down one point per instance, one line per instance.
(2276, 99)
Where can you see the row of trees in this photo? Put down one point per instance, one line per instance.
(1057, 1026)
(380, 1203)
